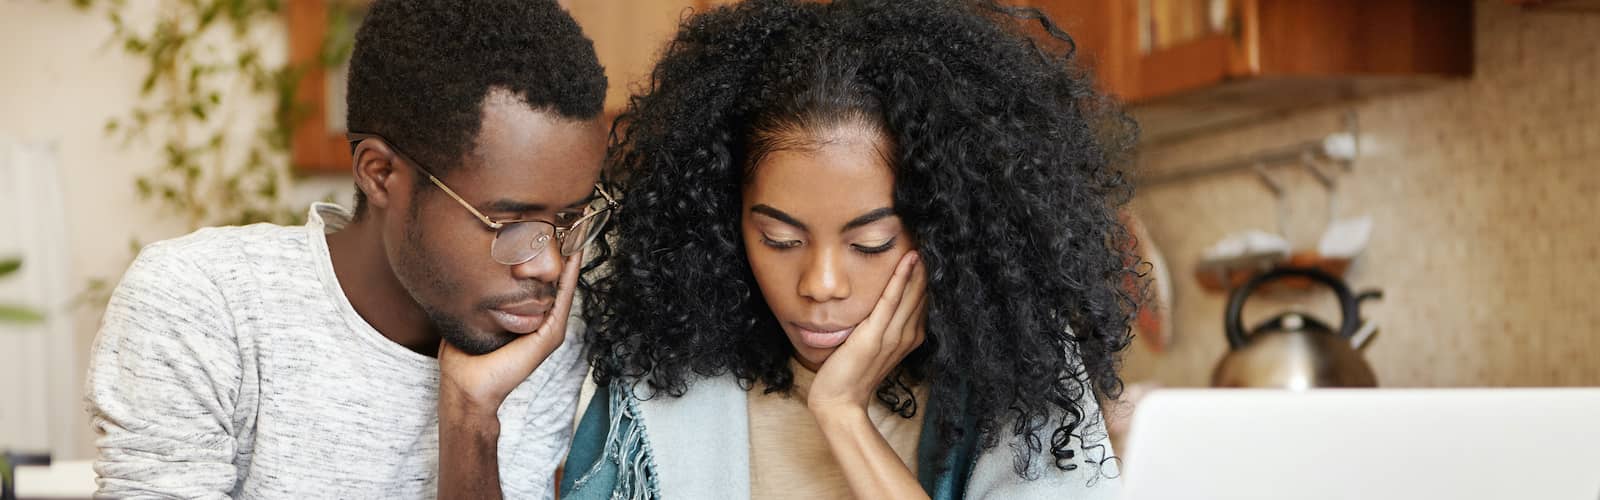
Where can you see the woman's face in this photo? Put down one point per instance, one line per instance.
(822, 236)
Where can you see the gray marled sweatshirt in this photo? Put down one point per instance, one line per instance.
(230, 364)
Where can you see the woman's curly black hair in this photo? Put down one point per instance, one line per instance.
(1007, 174)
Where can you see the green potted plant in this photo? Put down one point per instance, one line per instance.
(14, 313)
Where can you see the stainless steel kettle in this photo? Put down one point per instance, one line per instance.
(1293, 350)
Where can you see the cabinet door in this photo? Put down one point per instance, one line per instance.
(628, 37)
(1141, 49)
(1189, 44)
(1105, 35)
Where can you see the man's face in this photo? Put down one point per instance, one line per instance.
(524, 164)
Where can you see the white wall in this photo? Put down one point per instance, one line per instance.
(60, 80)
(36, 410)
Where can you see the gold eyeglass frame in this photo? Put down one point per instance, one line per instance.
(560, 233)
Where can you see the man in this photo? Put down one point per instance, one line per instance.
(338, 359)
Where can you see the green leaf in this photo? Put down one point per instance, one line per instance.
(173, 153)
(248, 58)
(149, 84)
(135, 45)
(209, 14)
(19, 314)
(96, 285)
(194, 78)
(96, 292)
(10, 265)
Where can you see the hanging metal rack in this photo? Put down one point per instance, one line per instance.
(1340, 148)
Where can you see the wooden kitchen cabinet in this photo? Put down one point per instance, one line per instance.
(1186, 66)
(629, 36)
(1103, 38)
(1556, 5)
(1183, 66)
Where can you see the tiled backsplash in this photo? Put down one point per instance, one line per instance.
(1486, 196)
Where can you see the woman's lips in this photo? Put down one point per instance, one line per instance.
(822, 336)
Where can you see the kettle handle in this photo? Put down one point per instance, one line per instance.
(1233, 324)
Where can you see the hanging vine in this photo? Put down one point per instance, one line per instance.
(206, 69)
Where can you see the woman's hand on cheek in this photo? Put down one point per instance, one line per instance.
(894, 328)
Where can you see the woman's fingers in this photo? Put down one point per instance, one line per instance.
(566, 289)
(872, 330)
(895, 336)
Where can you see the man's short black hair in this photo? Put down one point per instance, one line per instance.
(420, 71)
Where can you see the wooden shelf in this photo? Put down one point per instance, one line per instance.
(1222, 277)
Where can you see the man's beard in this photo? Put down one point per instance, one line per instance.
(457, 333)
(464, 337)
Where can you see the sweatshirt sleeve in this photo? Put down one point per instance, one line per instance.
(164, 377)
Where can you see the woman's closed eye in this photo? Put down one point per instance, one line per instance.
(875, 247)
(779, 242)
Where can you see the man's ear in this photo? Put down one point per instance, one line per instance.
(375, 172)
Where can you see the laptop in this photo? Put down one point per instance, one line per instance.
(1459, 444)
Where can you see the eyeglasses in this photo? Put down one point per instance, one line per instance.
(519, 241)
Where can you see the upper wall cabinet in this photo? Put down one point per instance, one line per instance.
(1573, 5)
(1187, 66)
(628, 37)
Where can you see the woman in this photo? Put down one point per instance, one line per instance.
(871, 250)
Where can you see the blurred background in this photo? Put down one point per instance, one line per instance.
(1440, 153)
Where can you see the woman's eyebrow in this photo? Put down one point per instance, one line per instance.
(785, 218)
(868, 218)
